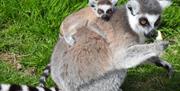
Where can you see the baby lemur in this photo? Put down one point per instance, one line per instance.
(95, 63)
(102, 9)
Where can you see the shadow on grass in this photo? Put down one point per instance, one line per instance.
(156, 80)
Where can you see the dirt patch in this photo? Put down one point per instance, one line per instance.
(12, 58)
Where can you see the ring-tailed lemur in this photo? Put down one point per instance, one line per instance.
(143, 18)
(97, 9)
(98, 64)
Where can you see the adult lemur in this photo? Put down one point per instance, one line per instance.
(96, 63)
(143, 18)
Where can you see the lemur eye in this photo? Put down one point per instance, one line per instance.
(100, 11)
(158, 21)
(92, 5)
(109, 11)
(143, 21)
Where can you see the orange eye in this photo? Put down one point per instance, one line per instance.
(143, 21)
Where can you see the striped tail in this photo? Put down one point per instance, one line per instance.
(9, 87)
(44, 76)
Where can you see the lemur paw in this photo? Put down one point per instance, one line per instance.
(70, 40)
(161, 45)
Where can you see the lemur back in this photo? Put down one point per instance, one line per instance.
(76, 68)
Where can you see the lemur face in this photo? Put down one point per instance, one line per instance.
(145, 15)
(146, 23)
(103, 8)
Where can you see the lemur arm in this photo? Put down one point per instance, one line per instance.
(137, 54)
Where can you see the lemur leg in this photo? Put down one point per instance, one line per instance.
(162, 63)
(44, 76)
(68, 35)
(69, 39)
(137, 54)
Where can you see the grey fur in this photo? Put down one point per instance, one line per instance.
(123, 38)
(72, 70)
(150, 6)
(85, 65)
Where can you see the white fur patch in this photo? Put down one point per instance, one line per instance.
(25, 88)
(104, 7)
(40, 89)
(46, 71)
(134, 5)
(152, 19)
(133, 21)
(5, 87)
(53, 89)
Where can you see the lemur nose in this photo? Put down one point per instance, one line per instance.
(105, 17)
(151, 34)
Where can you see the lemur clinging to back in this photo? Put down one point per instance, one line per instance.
(98, 64)
(102, 9)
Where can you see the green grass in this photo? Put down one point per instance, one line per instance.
(29, 30)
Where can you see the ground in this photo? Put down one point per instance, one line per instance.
(29, 30)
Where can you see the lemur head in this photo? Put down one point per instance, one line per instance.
(103, 8)
(144, 15)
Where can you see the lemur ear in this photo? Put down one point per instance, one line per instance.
(114, 2)
(92, 3)
(164, 3)
(133, 6)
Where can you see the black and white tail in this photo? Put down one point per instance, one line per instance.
(44, 76)
(9, 87)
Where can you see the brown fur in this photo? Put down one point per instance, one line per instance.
(100, 2)
(91, 56)
(83, 16)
